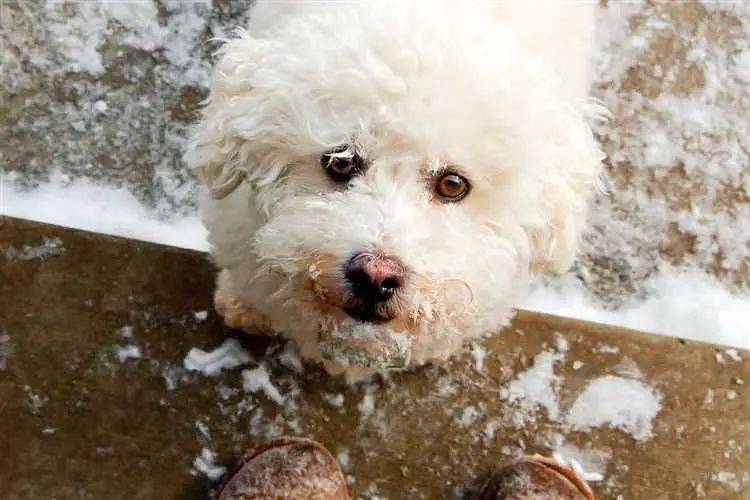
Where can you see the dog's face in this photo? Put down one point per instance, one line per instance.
(402, 181)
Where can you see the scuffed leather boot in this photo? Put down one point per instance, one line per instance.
(288, 468)
(535, 478)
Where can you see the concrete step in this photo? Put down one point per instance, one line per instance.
(95, 402)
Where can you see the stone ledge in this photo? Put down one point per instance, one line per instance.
(84, 415)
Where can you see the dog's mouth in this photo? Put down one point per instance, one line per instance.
(376, 314)
(367, 315)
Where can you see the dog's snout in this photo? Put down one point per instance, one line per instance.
(374, 279)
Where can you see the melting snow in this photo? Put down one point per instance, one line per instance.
(258, 379)
(626, 404)
(227, 356)
(205, 463)
(127, 352)
(537, 387)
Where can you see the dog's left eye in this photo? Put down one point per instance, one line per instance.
(452, 187)
(342, 164)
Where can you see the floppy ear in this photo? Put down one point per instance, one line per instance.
(554, 244)
(554, 248)
(218, 150)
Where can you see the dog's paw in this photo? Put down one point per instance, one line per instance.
(236, 313)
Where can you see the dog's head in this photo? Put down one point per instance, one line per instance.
(405, 172)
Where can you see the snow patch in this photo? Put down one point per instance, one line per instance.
(128, 352)
(48, 248)
(258, 379)
(367, 405)
(687, 304)
(37, 401)
(225, 357)
(535, 388)
(616, 402)
(343, 459)
(205, 464)
(335, 400)
(86, 205)
(468, 417)
(478, 353)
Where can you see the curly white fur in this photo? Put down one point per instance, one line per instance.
(496, 90)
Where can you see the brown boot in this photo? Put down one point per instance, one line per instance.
(288, 468)
(535, 478)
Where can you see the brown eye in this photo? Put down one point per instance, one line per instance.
(341, 164)
(452, 187)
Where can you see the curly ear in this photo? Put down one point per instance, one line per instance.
(554, 244)
(554, 248)
(219, 150)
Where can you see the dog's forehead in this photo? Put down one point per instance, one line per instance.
(469, 94)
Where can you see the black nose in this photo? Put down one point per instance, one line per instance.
(374, 279)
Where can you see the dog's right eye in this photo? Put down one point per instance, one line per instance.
(342, 164)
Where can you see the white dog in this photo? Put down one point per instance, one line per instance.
(385, 176)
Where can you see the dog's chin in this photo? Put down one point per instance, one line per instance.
(353, 342)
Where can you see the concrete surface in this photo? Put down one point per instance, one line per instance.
(79, 422)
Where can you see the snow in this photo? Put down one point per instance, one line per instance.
(468, 417)
(48, 248)
(37, 401)
(478, 353)
(536, 388)
(172, 376)
(343, 459)
(205, 464)
(693, 306)
(91, 206)
(125, 353)
(367, 405)
(290, 359)
(732, 353)
(225, 357)
(200, 316)
(577, 468)
(126, 332)
(617, 402)
(588, 462)
(335, 400)
(258, 379)
(728, 478)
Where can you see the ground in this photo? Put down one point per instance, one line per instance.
(103, 364)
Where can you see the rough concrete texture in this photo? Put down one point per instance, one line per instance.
(85, 416)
